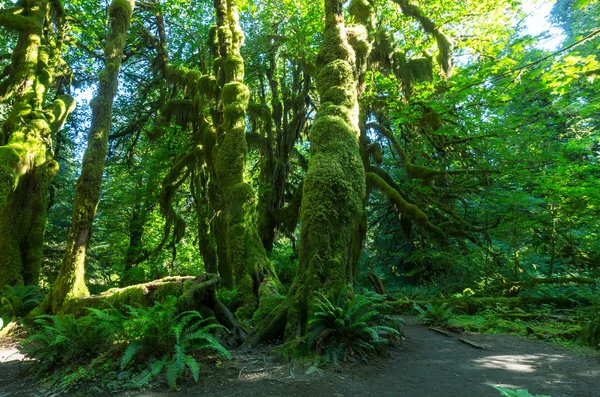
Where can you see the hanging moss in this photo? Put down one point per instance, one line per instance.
(361, 10)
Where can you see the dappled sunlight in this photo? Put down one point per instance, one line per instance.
(526, 363)
(10, 355)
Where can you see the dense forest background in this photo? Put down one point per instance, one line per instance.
(428, 150)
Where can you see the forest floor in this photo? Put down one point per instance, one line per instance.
(428, 364)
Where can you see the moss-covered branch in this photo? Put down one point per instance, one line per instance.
(406, 209)
(444, 42)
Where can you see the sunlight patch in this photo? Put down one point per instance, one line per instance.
(517, 363)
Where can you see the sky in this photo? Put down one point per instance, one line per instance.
(537, 23)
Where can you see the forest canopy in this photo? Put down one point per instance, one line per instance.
(259, 159)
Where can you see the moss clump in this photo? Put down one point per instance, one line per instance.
(236, 93)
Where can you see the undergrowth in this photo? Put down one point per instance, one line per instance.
(17, 301)
(109, 350)
(350, 328)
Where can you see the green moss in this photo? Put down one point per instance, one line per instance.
(236, 92)
(9, 159)
(361, 10)
(168, 289)
(234, 68)
(338, 73)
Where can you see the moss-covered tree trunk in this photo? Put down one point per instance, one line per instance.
(26, 164)
(70, 283)
(334, 187)
(245, 253)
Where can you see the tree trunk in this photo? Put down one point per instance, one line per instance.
(245, 253)
(70, 283)
(334, 187)
(26, 164)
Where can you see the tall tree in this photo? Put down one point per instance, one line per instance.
(334, 187)
(26, 161)
(245, 253)
(70, 283)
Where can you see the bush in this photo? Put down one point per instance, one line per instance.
(434, 314)
(164, 341)
(352, 328)
(17, 301)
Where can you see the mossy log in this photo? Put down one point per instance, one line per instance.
(193, 293)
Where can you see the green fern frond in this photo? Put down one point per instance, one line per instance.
(193, 366)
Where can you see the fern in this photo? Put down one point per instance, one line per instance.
(351, 328)
(436, 315)
(591, 329)
(516, 393)
(159, 331)
(17, 301)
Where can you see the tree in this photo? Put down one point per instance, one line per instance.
(70, 283)
(26, 158)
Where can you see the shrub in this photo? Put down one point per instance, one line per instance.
(164, 341)
(434, 314)
(352, 328)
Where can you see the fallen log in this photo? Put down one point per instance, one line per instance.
(192, 293)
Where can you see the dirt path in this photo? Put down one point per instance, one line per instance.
(428, 365)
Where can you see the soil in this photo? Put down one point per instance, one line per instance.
(428, 364)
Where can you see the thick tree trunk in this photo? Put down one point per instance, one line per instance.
(245, 253)
(70, 283)
(26, 164)
(334, 187)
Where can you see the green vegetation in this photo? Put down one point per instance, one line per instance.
(17, 301)
(147, 342)
(258, 166)
(165, 341)
(352, 327)
(434, 314)
(517, 393)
